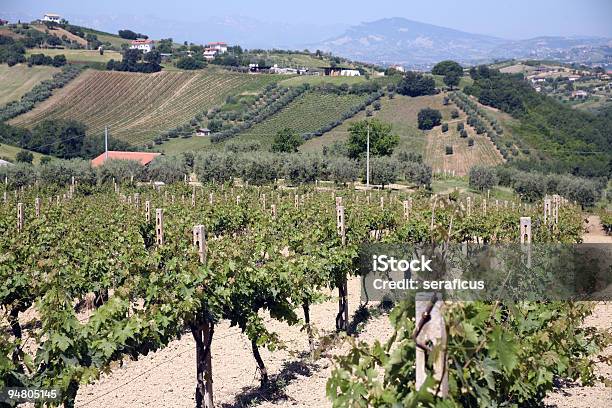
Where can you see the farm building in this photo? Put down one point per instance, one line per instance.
(203, 132)
(143, 157)
(339, 71)
(212, 49)
(52, 18)
(142, 44)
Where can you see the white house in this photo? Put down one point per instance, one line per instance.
(142, 44)
(350, 72)
(398, 68)
(51, 17)
(203, 132)
(212, 49)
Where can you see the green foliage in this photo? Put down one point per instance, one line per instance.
(415, 84)
(497, 355)
(286, 141)
(447, 67)
(445, 127)
(343, 170)
(190, 63)
(24, 156)
(482, 178)
(428, 118)
(382, 140)
(384, 170)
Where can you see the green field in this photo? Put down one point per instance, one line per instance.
(78, 56)
(9, 152)
(465, 81)
(322, 79)
(104, 37)
(179, 145)
(138, 107)
(305, 114)
(15, 81)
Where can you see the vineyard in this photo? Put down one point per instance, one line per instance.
(137, 107)
(306, 114)
(17, 80)
(115, 271)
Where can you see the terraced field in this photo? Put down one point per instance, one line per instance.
(15, 81)
(305, 114)
(137, 107)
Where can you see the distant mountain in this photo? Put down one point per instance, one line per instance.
(419, 45)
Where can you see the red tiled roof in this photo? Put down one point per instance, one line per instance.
(142, 41)
(142, 157)
(217, 43)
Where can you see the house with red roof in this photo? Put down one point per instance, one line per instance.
(144, 158)
(214, 48)
(145, 45)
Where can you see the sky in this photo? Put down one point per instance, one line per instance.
(510, 19)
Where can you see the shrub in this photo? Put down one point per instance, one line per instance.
(166, 169)
(24, 156)
(445, 127)
(482, 178)
(428, 118)
(120, 170)
(214, 166)
(259, 169)
(460, 126)
(449, 149)
(343, 170)
(454, 114)
(384, 170)
(470, 142)
(300, 169)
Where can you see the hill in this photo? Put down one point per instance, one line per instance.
(9, 152)
(306, 114)
(420, 45)
(138, 107)
(401, 112)
(15, 81)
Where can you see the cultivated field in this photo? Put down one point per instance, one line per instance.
(305, 114)
(464, 157)
(78, 56)
(137, 107)
(15, 81)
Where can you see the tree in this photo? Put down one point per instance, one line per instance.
(165, 45)
(447, 67)
(190, 63)
(452, 80)
(384, 170)
(59, 137)
(153, 57)
(482, 178)
(382, 141)
(428, 118)
(414, 84)
(445, 127)
(343, 170)
(215, 125)
(23, 156)
(59, 60)
(286, 141)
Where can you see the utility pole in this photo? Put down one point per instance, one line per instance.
(368, 158)
(105, 143)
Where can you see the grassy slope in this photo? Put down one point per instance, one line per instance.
(137, 107)
(15, 81)
(10, 152)
(78, 56)
(306, 114)
(401, 112)
(104, 37)
(316, 80)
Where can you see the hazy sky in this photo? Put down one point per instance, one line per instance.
(513, 19)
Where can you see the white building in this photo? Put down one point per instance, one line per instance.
(51, 17)
(145, 45)
(212, 49)
(350, 72)
(398, 68)
(5, 163)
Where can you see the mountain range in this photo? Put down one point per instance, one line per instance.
(420, 45)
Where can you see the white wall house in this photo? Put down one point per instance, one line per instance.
(142, 44)
(212, 49)
(350, 72)
(54, 18)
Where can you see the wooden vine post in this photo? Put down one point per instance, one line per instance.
(525, 229)
(148, 211)
(342, 316)
(406, 209)
(546, 210)
(469, 206)
(159, 226)
(202, 329)
(430, 336)
(37, 206)
(19, 217)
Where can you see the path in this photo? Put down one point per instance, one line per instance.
(573, 395)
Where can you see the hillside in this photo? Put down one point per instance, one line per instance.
(15, 81)
(401, 112)
(137, 107)
(78, 56)
(306, 114)
(9, 152)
